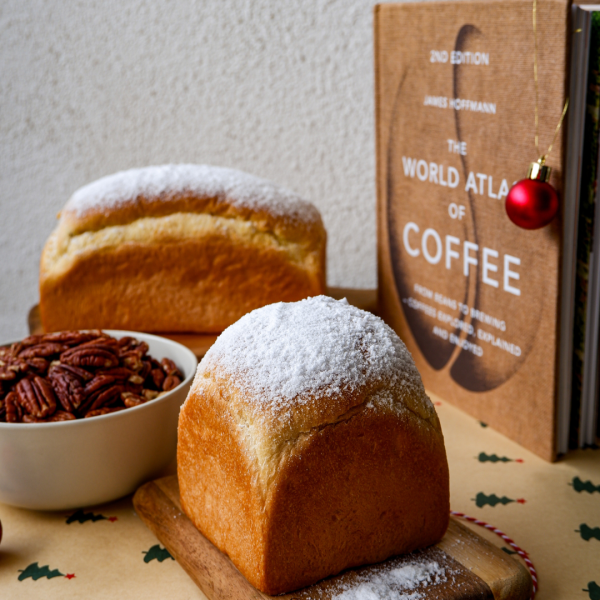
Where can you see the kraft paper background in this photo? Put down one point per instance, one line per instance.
(106, 556)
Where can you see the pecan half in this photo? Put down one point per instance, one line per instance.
(72, 338)
(104, 397)
(32, 419)
(61, 415)
(158, 377)
(169, 367)
(7, 374)
(102, 411)
(16, 348)
(170, 383)
(97, 383)
(67, 386)
(127, 343)
(45, 397)
(132, 388)
(119, 373)
(37, 364)
(14, 412)
(132, 355)
(89, 357)
(11, 367)
(81, 373)
(145, 370)
(28, 398)
(149, 394)
(132, 345)
(132, 360)
(31, 340)
(42, 350)
(94, 389)
(107, 344)
(132, 400)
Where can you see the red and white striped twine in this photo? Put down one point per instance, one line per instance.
(510, 542)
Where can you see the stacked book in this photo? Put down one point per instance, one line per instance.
(579, 422)
(501, 321)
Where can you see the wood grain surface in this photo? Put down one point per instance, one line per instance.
(476, 569)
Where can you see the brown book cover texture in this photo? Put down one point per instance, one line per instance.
(474, 297)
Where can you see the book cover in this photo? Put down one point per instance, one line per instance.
(474, 297)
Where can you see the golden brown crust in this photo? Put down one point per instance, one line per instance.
(191, 189)
(216, 487)
(94, 219)
(205, 247)
(352, 492)
(199, 285)
(356, 493)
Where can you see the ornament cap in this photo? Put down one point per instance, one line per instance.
(539, 171)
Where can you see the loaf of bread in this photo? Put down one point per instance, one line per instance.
(178, 248)
(307, 445)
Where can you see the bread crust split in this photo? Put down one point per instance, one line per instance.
(327, 483)
(188, 248)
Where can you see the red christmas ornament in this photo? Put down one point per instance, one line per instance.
(532, 203)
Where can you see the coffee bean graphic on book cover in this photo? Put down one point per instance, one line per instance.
(471, 285)
(417, 221)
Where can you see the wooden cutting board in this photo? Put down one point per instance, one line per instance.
(476, 569)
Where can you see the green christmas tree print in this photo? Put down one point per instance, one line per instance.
(584, 486)
(593, 589)
(483, 457)
(36, 572)
(81, 517)
(494, 458)
(158, 553)
(483, 424)
(587, 533)
(492, 500)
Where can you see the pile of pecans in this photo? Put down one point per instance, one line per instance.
(73, 375)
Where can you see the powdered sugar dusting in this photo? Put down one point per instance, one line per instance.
(285, 353)
(400, 582)
(169, 181)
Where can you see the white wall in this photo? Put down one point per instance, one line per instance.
(283, 90)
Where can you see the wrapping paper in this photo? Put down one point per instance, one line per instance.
(552, 511)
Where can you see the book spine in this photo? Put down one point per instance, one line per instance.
(591, 247)
(579, 59)
(583, 333)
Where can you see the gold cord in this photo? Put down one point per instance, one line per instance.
(535, 77)
(542, 157)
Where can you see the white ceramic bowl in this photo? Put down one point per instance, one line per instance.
(71, 464)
